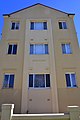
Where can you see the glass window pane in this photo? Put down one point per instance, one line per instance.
(68, 80)
(17, 25)
(38, 25)
(31, 80)
(63, 49)
(73, 78)
(60, 25)
(47, 80)
(46, 48)
(5, 83)
(31, 49)
(14, 49)
(10, 49)
(45, 25)
(64, 25)
(39, 81)
(32, 26)
(11, 81)
(38, 49)
(68, 49)
(13, 26)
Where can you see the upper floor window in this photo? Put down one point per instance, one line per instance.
(62, 25)
(66, 48)
(38, 48)
(71, 79)
(15, 25)
(39, 80)
(8, 81)
(12, 49)
(38, 25)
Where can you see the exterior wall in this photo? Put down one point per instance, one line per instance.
(55, 63)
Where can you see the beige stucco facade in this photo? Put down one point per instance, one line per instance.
(58, 96)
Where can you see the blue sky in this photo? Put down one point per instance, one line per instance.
(70, 6)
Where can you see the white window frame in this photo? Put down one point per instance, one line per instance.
(43, 49)
(34, 82)
(16, 22)
(8, 81)
(12, 48)
(62, 23)
(35, 27)
(71, 80)
(66, 48)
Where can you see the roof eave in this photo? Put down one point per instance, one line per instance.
(69, 14)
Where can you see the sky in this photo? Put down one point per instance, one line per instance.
(69, 6)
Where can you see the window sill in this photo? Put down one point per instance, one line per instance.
(11, 54)
(15, 29)
(39, 30)
(6, 88)
(39, 54)
(72, 87)
(31, 88)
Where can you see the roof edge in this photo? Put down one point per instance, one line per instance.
(35, 5)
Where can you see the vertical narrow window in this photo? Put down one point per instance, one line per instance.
(12, 49)
(9, 49)
(31, 48)
(32, 26)
(46, 48)
(62, 25)
(15, 25)
(73, 77)
(30, 80)
(71, 80)
(66, 48)
(45, 25)
(47, 80)
(11, 81)
(68, 80)
(5, 82)
(8, 81)
(39, 81)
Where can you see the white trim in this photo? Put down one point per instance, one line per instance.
(16, 22)
(71, 79)
(34, 79)
(8, 79)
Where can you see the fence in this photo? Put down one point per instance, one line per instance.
(7, 114)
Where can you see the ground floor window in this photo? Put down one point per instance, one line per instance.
(39, 80)
(8, 80)
(71, 79)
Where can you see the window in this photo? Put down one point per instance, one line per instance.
(38, 48)
(62, 25)
(12, 49)
(66, 48)
(15, 25)
(39, 80)
(8, 81)
(38, 25)
(70, 80)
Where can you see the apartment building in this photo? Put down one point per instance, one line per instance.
(39, 60)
